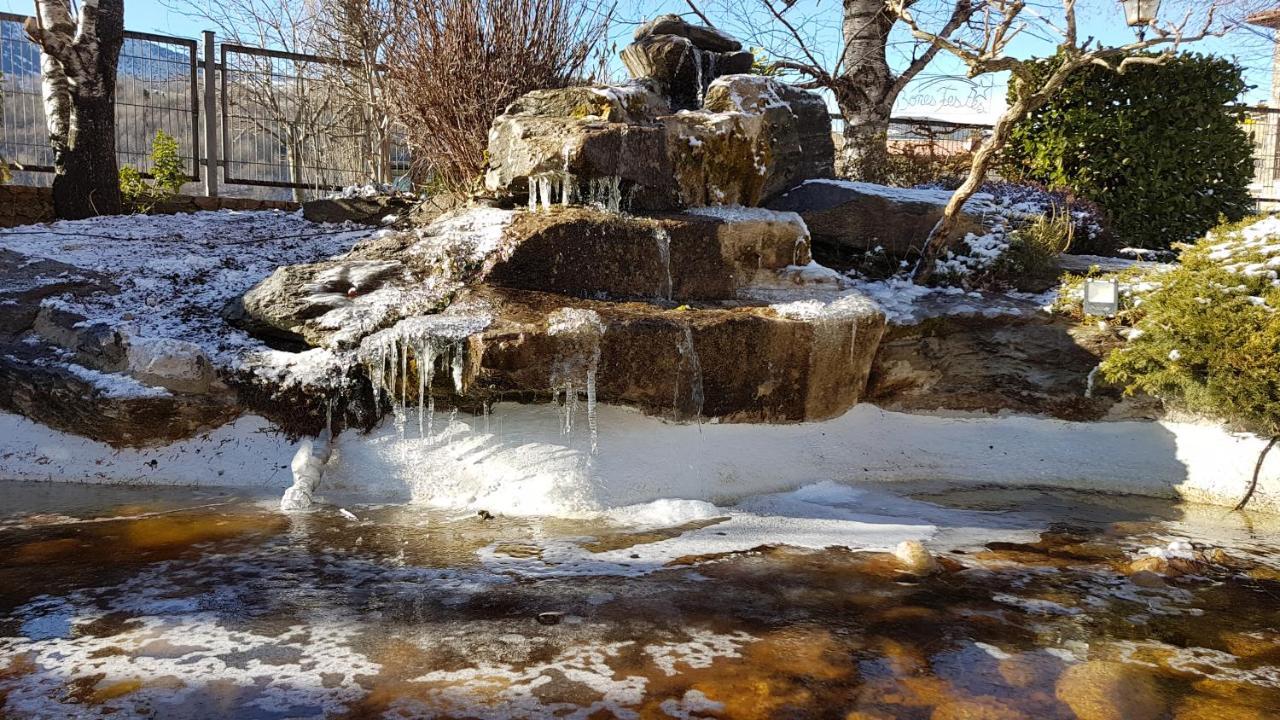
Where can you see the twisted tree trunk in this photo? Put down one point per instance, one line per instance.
(78, 72)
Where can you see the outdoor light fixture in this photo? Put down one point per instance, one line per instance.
(1101, 297)
(1140, 14)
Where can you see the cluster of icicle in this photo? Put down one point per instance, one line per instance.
(546, 190)
(428, 341)
(577, 361)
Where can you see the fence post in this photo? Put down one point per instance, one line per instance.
(210, 118)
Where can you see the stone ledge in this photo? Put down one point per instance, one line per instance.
(28, 205)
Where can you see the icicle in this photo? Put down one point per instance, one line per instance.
(663, 239)
(420, 352)
(606, 193)
(385, 355)
(457, 372)
(570, 183)
(576, 365)
(545, 186)
(697, 69)
(592, 422)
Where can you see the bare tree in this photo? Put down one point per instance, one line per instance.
(998, 23)
(454, 65)
(355, 33)
(78, 55)
(858, 73)
(316, 111)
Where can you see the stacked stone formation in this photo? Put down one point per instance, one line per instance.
(683, 59)
(693, 128)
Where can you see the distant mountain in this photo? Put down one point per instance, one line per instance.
(139, 58)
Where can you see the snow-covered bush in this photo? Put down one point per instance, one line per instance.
(1206, 333)
(1090, 232)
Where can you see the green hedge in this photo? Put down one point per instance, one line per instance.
(1159, 147)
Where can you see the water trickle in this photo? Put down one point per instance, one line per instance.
(663, 241)
(429, 339)
(689, 359)
(576, 365)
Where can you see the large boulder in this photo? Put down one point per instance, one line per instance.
(862, 216)
(336, 303)
(704, 38)
(373, 209)
(590, 145)
(109, 407)
(806, 362)
(706, 254)
(1022, 362)
(618, 147)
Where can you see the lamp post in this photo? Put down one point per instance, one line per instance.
(1140, 14)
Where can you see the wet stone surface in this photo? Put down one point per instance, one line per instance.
(188, 604)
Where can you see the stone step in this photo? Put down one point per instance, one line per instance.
(708, 254)
(753, 364)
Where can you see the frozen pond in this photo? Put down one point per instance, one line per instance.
(174, 603)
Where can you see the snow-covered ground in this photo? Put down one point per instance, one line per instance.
(175, 273)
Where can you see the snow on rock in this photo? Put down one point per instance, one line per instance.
(173, 364)
(114, 385)
(906, 303)
(175, 273)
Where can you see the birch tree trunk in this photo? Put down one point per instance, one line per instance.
(78, 74)
(866, 90)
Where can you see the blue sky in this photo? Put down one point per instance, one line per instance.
(933, 95)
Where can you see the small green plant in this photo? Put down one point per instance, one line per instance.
(1207, 335)
(167, 173)
(166, 164)
(1031, 262)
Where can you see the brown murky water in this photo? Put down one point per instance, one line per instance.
(186, 604)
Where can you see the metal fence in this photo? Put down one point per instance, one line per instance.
(156, 89)
(288, 124)
(1263, 126)
(289, 120)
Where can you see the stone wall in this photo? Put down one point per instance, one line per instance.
(25, 205)
(21, 205)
